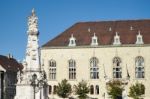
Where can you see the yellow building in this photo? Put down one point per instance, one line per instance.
(98, 52)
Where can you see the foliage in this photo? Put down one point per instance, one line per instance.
(115, 89)
(64, 89)
(137, 90)
(82, 90)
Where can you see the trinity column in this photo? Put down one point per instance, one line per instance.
(32, 79)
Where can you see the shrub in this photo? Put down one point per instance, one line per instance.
(64, 89)
(115, 89)
(82, 90)
(137, 90)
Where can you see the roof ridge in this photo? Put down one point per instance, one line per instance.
(120, 20)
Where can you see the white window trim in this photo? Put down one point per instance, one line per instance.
(115, 67)
(72, 41)
(52, 70)
(94, 40)
(116, 39)
(92, 72)
(74, 72)
(139, 36)
(137, 66)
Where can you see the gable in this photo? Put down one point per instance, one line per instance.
(2, 69)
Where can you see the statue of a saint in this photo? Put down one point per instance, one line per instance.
(33, 22)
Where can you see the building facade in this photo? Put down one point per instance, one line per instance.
(8, 76)
(99, 52)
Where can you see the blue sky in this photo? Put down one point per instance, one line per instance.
(57, 15)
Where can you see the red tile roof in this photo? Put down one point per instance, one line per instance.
(105, 37)
(10, 63)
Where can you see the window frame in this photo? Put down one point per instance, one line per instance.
(49, 89)
(52, 69)
(94, 68)
(139, 74)
(97, 89)
(72, 69)
(92, 89)
(117, 69)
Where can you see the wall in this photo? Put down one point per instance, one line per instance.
(105, 55)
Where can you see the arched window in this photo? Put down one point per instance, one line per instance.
(91, 89)
(50, 89)
(72, 69)
(97, 89)
(94, 69)
(139, 68)
(117, 70)
(55, 88)
(52, 69)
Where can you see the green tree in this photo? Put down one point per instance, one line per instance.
(137, 90)
(115, 89)
(64, 89)
(82, 89)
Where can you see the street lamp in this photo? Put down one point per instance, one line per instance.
(33, 83)
(38, 82)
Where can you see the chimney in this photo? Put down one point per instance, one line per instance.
(10, 56)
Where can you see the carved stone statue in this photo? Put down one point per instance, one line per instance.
(18, 77)
(33, 23)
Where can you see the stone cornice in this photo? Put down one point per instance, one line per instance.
(100, 46)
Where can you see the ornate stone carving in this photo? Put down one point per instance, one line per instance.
(19, 77)
(33, 23)
(31, 65)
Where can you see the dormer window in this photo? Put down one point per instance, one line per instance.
(94, 40)
(139, 38)
(72, 41)
(116, 39)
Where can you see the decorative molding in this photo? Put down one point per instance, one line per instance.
(139, 38)
(33, 24)
(116, 39)
(94, 40)
(72, 41)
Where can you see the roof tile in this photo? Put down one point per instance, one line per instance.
(105, 37)
(10, 63)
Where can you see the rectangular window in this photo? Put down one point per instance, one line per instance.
(94, 73)
(52, 69)
(72, 73)
(117, 73)
(72, 69)
(52, 73)
(139, 39)
(94, 41)
(72, 41)
(139, 72)
(50, 89)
